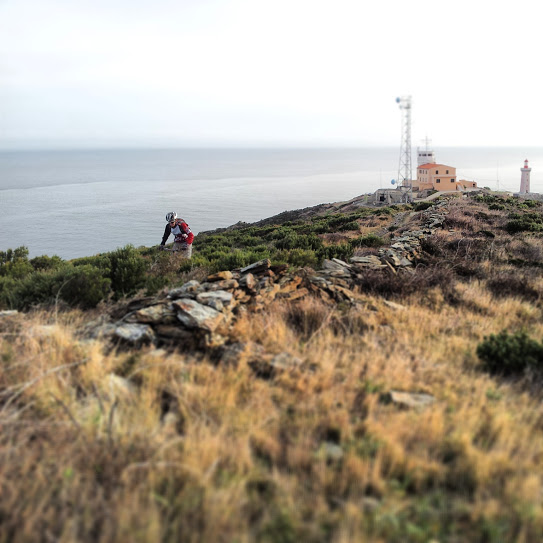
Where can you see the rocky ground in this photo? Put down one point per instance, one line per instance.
(200, 315)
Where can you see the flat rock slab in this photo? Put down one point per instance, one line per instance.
(341, 262)
(268, 366)
(196, 315)
(101, 330)
(409, 399)
(220, 276)
(190, 287)
(174, 333)
(334, 265)
(394, 305)
(218, 299)
(154, 313)
(135, 333)
(225, 284)
(370, 261)
(248, 281)
(257, 267)
(331, 452)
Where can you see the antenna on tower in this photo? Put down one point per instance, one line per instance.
(404, 168)
(427, 142)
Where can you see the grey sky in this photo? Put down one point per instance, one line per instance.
(253, 72)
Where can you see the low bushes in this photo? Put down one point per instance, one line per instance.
(370, 240)
(401, 285)
(127, 271)
(14, 263)
(293, 240)
(509, 354)
(82, 286)
(514, 284)
(527, 222)
(422, 206)
(81, 283)
(298, 243)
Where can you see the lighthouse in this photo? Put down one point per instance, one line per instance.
(525, 178)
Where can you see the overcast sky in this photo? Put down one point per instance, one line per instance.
(268, 73)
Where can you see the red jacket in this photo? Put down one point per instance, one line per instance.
(185, 235)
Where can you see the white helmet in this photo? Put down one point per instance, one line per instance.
(171, 216)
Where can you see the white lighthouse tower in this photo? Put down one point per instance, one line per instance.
(525, 178)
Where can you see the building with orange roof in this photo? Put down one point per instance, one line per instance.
(432, 176)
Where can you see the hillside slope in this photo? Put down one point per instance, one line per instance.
(363, 394)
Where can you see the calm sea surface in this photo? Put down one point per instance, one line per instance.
(79, 203)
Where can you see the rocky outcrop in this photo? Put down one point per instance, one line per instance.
(406, 248)
(200, 315)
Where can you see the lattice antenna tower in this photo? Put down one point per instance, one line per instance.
(404, 168)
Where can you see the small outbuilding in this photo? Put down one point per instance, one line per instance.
(392, 196)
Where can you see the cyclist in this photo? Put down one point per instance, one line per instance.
(183, 235)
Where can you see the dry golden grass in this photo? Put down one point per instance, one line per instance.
(102, 445)
(151, 446)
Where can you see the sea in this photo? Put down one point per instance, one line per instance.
(81, 202)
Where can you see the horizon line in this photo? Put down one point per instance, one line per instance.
(135, 147)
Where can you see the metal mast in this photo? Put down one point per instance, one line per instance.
(404, 168)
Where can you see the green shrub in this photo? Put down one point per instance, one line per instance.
(17, 269)
(44, 262)
(7, 288)
(490, 199)
(506, 354)
(14, 263)
(250, 241)
(421, 206)
(128, 271)
(339, 222)
(384, 211)
(280, 233)
(528, 222)
(321, 227)
(215, 240)
(527, 204)
(236, 259)
(302, 258)
(82, 286)
(343, 251)
(299, 241)
(371, 240)
(352, 225)
(11, 255)
(156, 283)
(34, 289)
(101, 261)
(212, 253)
(197, 261)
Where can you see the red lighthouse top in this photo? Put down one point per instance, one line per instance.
(526, 163)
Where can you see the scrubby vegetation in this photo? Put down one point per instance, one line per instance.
(104, 444)
(80, 283)
(45, 280)
(294, 242)
(508, 354)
